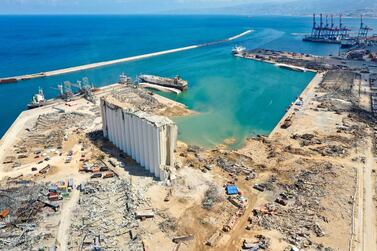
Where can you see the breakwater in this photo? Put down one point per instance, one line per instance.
(116, 61)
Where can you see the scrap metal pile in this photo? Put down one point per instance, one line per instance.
(23, 208)
(139, 98)
(49, 130)
(106, 217)
(297, 211)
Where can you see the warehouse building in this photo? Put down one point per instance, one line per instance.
(148, 139)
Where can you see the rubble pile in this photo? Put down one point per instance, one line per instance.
(107, 211)
(169, 224)
(331, 150)
(299, 218)
(307, 139)
(340, 82)
(235, 163)
(49, 130)
(22, 209)
(211, 196)
(261, 242)
(137, 97)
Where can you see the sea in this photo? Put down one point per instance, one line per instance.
(235, 98)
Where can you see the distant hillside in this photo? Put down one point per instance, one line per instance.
(294, 7)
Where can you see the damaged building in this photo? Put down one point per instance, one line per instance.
(148, 139)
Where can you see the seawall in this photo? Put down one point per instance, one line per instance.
(116, 61)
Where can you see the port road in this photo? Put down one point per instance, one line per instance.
(365, 218)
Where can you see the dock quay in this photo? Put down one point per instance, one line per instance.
(305, 62)
(9, 80)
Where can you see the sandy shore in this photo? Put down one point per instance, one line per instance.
(122, 60)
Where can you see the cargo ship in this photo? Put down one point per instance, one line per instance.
(38, 100)
(329, 40)
(177, 82)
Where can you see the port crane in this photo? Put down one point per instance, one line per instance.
(364, 29)
(327, 32)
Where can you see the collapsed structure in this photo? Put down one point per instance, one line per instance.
(148, 139)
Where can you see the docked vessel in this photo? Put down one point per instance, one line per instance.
(347, 43)
(124, 79)
(38, 100)
(238, 50)
(8, 80)
(330, 40)
(176, 82)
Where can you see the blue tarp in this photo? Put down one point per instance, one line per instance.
(231, 189)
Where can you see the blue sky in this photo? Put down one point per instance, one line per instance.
(109, 6)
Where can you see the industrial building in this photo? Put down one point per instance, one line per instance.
(148, 139)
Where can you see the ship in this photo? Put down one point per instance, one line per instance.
(238, 50)
(348, 43)
(177, 82)
(8, 80)
(329, 40)
(124, 79)
(38, 100)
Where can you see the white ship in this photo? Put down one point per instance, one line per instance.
(237, 50)
(38, 100)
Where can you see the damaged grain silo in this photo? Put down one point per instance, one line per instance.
(148, 139)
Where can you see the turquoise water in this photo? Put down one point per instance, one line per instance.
(235, 97)
(245, 99)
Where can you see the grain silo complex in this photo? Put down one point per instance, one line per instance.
(148, 139)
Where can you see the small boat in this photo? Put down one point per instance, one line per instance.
(177, 82)
(238, 50)
(38, 100)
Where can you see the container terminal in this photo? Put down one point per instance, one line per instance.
(111, 174)
(329, 32)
